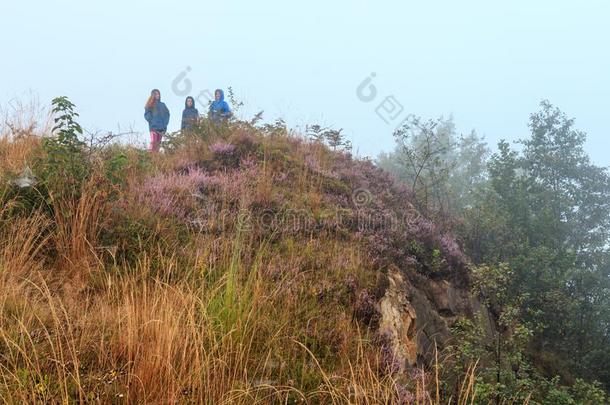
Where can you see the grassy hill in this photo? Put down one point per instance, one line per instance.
(246, 264)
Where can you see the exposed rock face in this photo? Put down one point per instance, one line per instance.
(416, 316)
(398, 321)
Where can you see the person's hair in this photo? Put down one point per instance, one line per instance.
(151, 99)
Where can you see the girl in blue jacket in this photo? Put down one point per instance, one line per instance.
(219, 109)
(190, 115)
(157, 115)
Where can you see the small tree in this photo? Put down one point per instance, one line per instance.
(444, 170)
(65, 165)
(334, 138)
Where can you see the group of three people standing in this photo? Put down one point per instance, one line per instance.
(156, 114)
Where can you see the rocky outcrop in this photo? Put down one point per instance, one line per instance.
(398, 320)
(416, 315)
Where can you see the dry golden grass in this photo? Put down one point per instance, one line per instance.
(15, 155)
(77, 225)
(21, 129)
(143, 340)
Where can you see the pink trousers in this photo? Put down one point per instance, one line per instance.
(155, 140)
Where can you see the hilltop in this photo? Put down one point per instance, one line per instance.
(243, 262)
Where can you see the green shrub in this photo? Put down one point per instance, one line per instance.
(65, 164)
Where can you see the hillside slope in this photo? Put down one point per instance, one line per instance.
(244, 265)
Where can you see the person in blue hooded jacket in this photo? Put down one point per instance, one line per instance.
(190, 115)
(219, 109)
(157, 116)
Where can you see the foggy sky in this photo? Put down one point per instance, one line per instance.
(487, 64)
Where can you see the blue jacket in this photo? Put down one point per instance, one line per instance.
(219, 109)
(189, 115)
(157, 117)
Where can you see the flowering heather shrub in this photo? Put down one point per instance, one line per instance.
(312, 163)
(383, 191)
(240, 183)
(453, 254)
(389, 362)
(385, 216)
(249, 163)
(404, 396)
(244, 142)
(222, 148)
(366, 309)
(228, 154)
(197, 197)
(356, 198)
(172, 194)
(422, 229)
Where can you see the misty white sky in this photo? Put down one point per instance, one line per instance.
(487, 64)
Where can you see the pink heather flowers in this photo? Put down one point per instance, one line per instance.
(385, 218)
(312, 164)
(182, 195)
(452, 251)
(167, 193)
(222, 148)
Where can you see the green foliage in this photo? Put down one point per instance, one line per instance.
(556, 205)
(204, 132)
(536, 223)
(471, 345)
(235, 103)
(277, 129)
(547, 214)
(445, 171)
(115, 167)
(588, 393)
(59, 170)
(504, 374)
(334, 138)
(21, 201)
(65, 165)
(497, 347)
(117, 163)
(231, 302)
(551, 392)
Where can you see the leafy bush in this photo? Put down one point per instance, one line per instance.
(65, 165)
